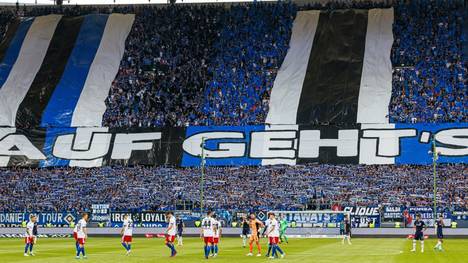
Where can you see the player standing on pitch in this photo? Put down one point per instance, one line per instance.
(171, 233)
(440, 235)
(283, 227)
(245, 231)
(273, 234)
(420, 227)
(255, 226)
(180, 230)
(82, 234)
(216, 236)
(30, 235)
(127, 232)
(347, 230)
(207, 233)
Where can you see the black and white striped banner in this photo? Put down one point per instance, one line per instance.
(337, 69)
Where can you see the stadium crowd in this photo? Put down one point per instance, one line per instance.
(215, 64)
(244, 188)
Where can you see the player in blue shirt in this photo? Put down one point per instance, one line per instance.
(440, 235)
(420, 227)
(180, 230)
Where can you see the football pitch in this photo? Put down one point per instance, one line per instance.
(108, 249)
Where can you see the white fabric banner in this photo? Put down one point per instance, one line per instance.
(91, 104)
(287, 88)
(28, 63)
(376, 79)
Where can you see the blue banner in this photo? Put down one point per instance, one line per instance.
(43, 218)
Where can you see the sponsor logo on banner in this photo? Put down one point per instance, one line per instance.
(363, 216)
(427, 215)
(143, 219)
(100, 212)
(57, 219)
(393, 212)
(248, 145)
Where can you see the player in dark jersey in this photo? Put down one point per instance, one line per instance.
(347, 230)
(440, 235)
(180, 230)
(245, 231)
(420, 227)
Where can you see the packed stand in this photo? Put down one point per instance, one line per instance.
(430, 77)
(245, 188)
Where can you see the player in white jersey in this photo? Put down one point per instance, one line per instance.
(273, 234)
(29, 237)
(267, 223)
(82, 234)
(216, 235)
(127, 232)
(171, 232)
(207, 232)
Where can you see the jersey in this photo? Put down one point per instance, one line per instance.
(283, 225)
(35, 229)
(75, 229)
(128, 227)
(273, 228)
(419, 225)
(80, 228)
(29, 229)
(207, 226)
(180, 225)
(172, 225)
(216, 228)
(245, 228)
(254, 226)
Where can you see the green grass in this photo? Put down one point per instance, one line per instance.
(108, 249)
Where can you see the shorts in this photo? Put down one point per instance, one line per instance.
(75, 236)
(440, 235)
(245, 232)
(341, 231)
(253, 237)
(208, 240)
(127, 239)
(170, 238)
(179, 233)
(273, 240)
(81, 241)
(419, 236)
(29, 240)
(215, 240)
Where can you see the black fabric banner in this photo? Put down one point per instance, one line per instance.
(331, 86)
(9, 35)
(31, 108)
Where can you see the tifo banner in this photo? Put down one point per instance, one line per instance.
(100, 212)
(337, 69)
(364, 216)
(57, 70)
(15, 219)
(235, 146)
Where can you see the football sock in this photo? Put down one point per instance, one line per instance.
(129, 246)
(269, 250)
(125, 246)
(83, 251)
(251, 247)
(244, 240)
(207, 251)
(216, 249)
(414, 244)
(422, 245)
(77, 246)
(31, 248)
(273, 252)
(279, 249)
(26, 248)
